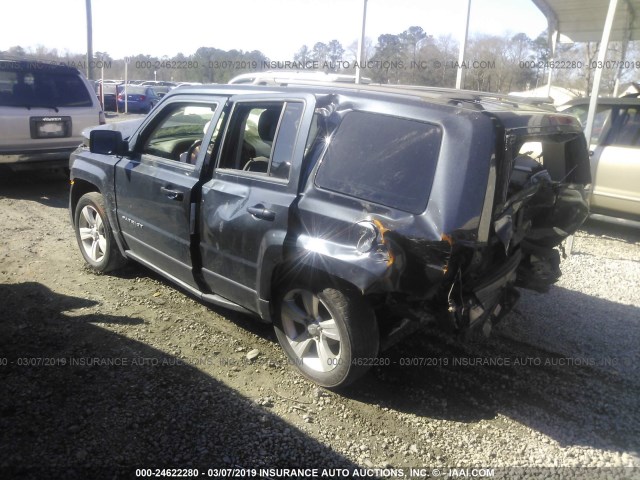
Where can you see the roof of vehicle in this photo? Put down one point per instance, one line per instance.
(158, 83)
(629, 100)
(136, 88)
(494, 102)
(110, 88)
(32, 65)
(271, 77)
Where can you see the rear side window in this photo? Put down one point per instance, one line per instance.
(382, 159)
(261, 137)
(600, 122)
(625, 131)
(42, 87)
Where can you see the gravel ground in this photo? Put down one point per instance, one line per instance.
(102, 374)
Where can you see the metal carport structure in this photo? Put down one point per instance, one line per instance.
(579, 20)
(588, 21)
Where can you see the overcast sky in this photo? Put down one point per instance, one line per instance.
(278, 28)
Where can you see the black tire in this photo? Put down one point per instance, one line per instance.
(94, 234)
(334, 359)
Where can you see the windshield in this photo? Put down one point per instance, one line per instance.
(42, 88)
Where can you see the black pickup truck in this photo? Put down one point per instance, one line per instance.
(348, 216)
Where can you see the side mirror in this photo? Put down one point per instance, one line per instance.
(107, 142)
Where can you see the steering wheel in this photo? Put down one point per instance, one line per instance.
(192, 153)
(257, 165)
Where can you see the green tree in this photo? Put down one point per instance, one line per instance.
(411, 38)
(17, 51)
(415, 39)
(303, 55)
(389, 59)
(319, 52)
(335, 51)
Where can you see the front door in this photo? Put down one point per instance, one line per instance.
(154, 186)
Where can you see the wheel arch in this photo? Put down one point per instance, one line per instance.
(80, 187)
(353, 316)
(97, 243)
(287, 272)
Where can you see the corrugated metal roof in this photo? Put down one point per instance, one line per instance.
(583, 20)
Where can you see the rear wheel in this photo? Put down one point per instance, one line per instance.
(330, 335)
(94, 234)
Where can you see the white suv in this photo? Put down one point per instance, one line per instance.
(43, 109)
(615, 157)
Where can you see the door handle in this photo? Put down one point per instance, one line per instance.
(259, 211)
(172, 194)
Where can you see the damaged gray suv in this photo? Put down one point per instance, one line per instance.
(348, 216)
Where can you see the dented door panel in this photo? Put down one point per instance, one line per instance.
(235, 243)
(245, 214)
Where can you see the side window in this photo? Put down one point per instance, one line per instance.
(286, 144)
(600, 121)
(179, 133)
(382, 159)
(8, 82)
(261, 137)
(625, 131)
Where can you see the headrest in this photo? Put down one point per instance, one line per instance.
(267, 124)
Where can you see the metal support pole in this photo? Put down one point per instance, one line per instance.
(126, 82)
(361, 43)
(604, 43)
(89, 69)
(554, 37)
(630, 16)
(102, 83)
(595, 90)
(463, 46)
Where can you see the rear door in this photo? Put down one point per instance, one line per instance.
(245, 205)
(617, 176)
(155, 187)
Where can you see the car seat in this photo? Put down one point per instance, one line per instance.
(267, 125)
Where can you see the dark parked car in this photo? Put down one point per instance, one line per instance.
(139, 98)
(158, 83)
(347, 216)
(110, 93)
(161, 91)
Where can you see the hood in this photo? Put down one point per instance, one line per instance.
(127, 127)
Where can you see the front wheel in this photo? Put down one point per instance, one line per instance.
(330, 335)
(94, 234)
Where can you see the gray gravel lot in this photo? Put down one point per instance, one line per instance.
(555, 393)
